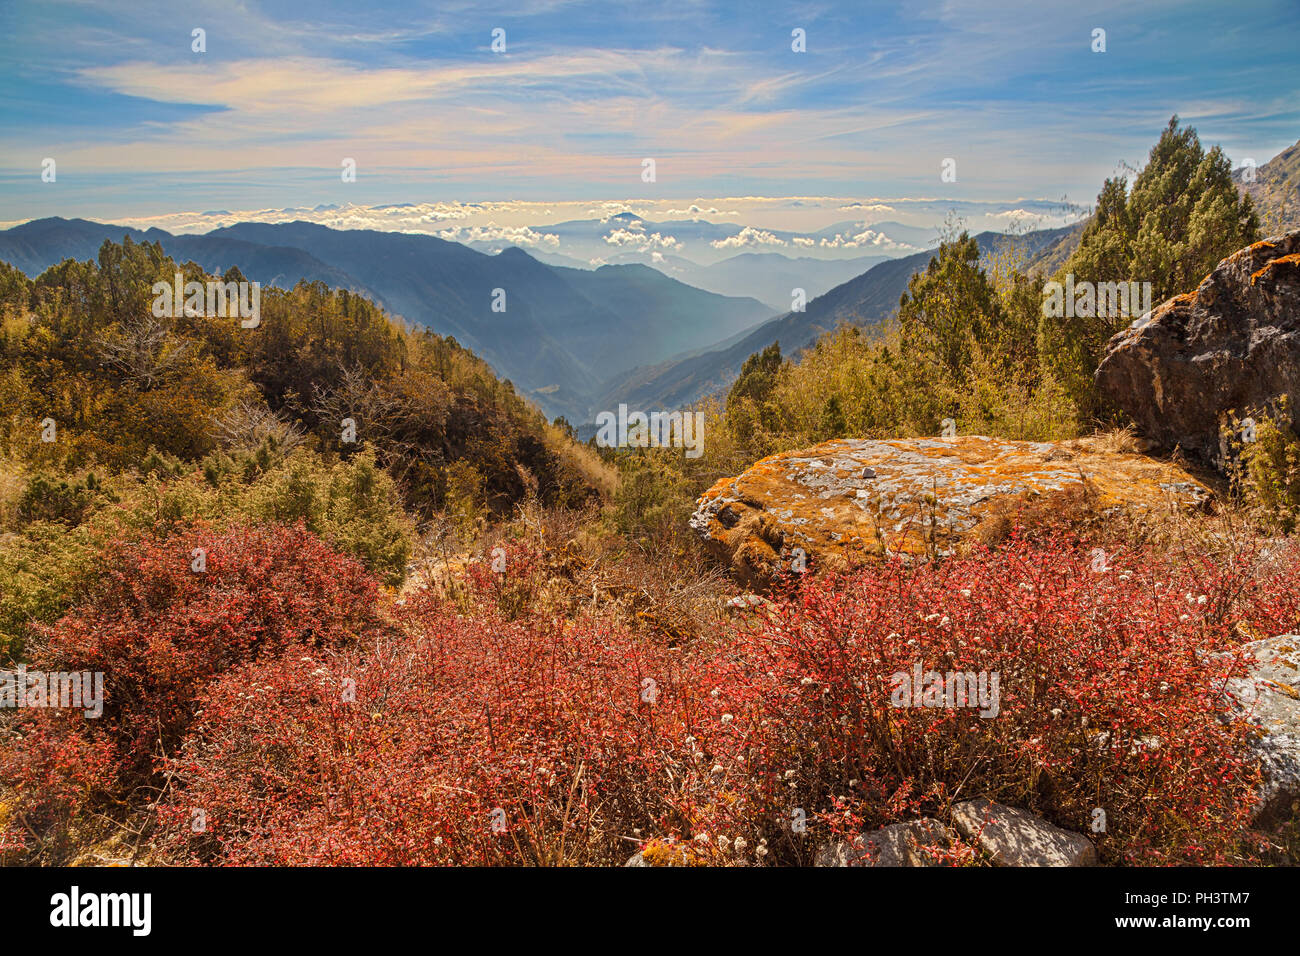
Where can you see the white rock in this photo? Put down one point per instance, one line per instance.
(898, 844)
(1014, 837)
(1269, 697)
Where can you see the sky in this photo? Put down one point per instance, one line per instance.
(143, 129)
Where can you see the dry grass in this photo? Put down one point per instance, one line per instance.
(585, 462)
(673, 595)
(1117, 441)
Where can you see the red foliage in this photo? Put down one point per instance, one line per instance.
(1108, 700)
(481, 730)
(54, 769)
(160, 632)
(468, 741)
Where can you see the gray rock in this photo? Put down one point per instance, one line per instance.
(1269, 697)
(1014, 837)
(636, 859)
(895, 845)
(1232, 345)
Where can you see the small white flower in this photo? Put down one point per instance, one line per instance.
(727, 718)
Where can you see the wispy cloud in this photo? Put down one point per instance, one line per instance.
(584, 91)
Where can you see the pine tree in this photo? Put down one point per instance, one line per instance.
(1181, 217)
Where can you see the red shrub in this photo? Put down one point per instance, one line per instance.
(1107, 702)
(54, 770)
(160, 632)
(468, 741)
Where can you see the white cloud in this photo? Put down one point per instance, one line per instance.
(695, 210)
(868, 238)
(642, 241)
(1018, 216)
(516, 235)
(749, 237)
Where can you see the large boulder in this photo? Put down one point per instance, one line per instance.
(1233, 345)
(1269, 697)
(1014, 837)
(851, 500)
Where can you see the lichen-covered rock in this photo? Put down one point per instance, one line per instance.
(1014, 837)
(1269, 697)
(1233, 345)
(849, 500)
(899, 844)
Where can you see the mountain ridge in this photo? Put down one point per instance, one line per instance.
(866, 300)
(557, 338)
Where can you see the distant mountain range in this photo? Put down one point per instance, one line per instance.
(574, 340)
(769, 277)
(866, 300)
(626, 237)
(564, 332)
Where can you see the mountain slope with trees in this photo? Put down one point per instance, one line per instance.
(562, 332)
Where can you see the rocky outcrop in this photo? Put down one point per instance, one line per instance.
(852, 500)
(1233, 345)
(1269, 697)
(1015, 837)
(899, 844)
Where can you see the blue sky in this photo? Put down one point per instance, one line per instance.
(140, 125)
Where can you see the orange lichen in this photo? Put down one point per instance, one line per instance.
(661, 852)
(1291, 261)
(849, 501)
